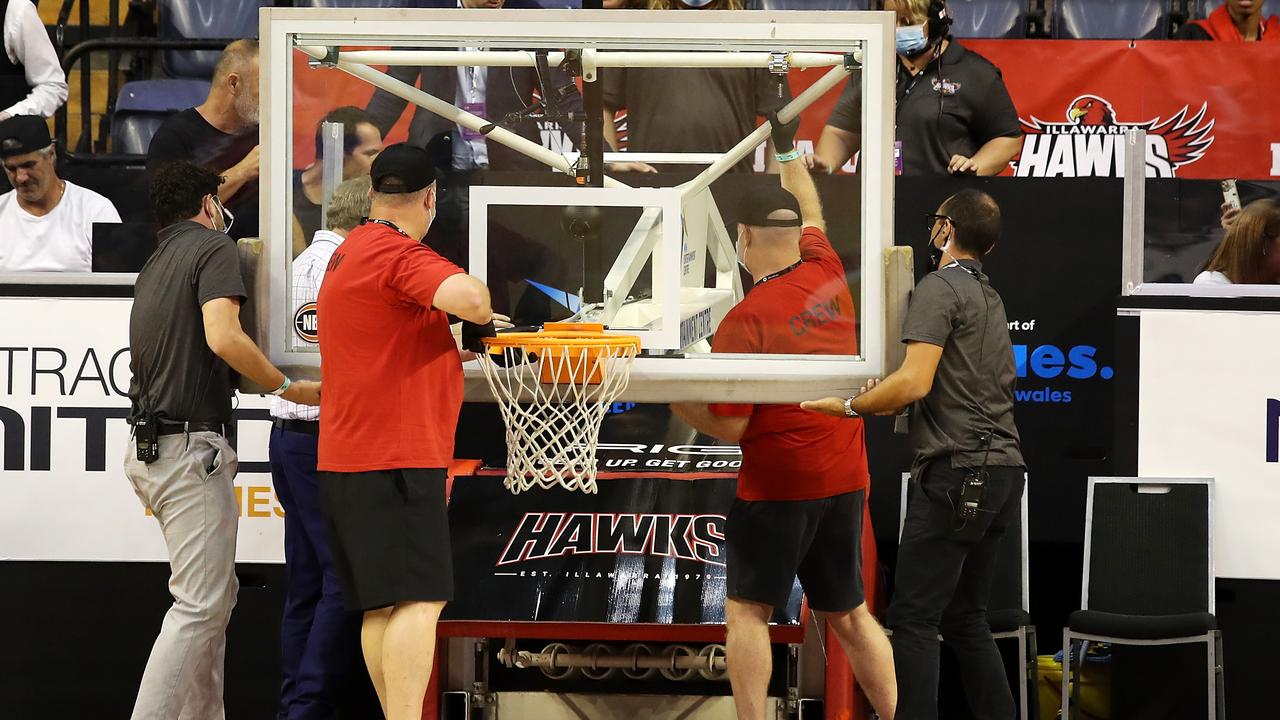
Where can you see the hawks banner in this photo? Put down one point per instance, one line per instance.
(1206, 115)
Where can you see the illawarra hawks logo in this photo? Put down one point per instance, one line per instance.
(546, 535)
(1091, 142)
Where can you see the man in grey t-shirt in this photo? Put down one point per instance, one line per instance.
(968, 473)
(184, 340)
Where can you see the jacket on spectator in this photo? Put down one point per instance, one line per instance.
(1218, 26)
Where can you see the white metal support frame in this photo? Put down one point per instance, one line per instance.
(606, 39)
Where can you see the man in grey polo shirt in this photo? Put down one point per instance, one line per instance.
(184, 340)
(968, 473)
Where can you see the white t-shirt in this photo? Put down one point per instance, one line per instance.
(1212, 277)
(61, 241)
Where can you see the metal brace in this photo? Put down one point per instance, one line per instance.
(329, 60)
(851, 61)
(779, 63)
(482, 698)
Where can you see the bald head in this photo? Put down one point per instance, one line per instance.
(239, 56)
(235, 83)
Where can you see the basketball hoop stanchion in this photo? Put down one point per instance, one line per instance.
(555, 387)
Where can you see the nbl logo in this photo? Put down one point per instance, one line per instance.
(1091, 142)
(305, 323)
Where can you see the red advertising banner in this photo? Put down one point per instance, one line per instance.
(1211, 110)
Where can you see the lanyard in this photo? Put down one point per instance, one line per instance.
(389, 224)
(780, 273)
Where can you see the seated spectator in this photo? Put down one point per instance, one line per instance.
(1235, 21)
(1250, 252)
(31, 78)
(221, 134)
(690, 109)
(954, 113)
(361, 143)
(46, 223)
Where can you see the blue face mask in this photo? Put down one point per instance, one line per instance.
(910, 40)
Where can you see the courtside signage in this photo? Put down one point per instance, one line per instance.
(1209, 406)
(64, 381)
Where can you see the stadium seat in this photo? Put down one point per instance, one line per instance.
(1202, 8)
(807, 5)
(204, 19)
(989, 18)
(1117, 19)
(144, 104)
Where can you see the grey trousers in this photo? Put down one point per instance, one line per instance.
(190, 493)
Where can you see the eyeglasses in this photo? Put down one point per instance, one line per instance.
(934, 219)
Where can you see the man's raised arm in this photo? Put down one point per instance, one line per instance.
(795, 176)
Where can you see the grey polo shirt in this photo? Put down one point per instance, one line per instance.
(956, 309)
(175, 374)
(957, 104)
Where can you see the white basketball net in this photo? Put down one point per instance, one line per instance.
(553, 427)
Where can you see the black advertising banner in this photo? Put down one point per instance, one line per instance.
(642, 550)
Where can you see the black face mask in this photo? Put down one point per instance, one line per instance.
(929, 260)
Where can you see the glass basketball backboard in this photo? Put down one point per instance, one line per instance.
(510, 102)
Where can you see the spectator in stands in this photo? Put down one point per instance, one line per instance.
(361, 143)
(46, 223)
(31, 78)
(690, 109)
(1235, 21)
(1250, 253)
(221, 134)
(954, 113)
(470, 89)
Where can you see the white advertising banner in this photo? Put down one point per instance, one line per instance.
(1209, 406)
(64, 375)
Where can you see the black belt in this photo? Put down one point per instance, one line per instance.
(168, 428)
(309, 427)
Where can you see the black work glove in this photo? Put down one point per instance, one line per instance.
(473, 335)
(784, 136)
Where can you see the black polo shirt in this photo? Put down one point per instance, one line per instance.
(957, 104)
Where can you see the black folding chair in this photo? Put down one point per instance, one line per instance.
(1148, 574)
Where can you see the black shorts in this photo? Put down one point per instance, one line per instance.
(769, 543)
(389, 535)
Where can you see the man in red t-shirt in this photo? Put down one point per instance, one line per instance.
(803, 481)
(392, 379)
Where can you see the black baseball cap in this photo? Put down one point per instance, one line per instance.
(758, 204)
(402, 168)
(22, 134)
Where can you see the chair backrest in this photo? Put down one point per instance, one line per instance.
(1011, 586)
(989, 18)
(144, 105)
(204, 19)
(1148, 547)
(1120, 19)
(1202, 8)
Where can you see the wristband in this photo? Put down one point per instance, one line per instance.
(283, 387)
(848, 408)
(787, 156)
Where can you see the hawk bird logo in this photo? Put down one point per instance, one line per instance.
(1088, 143)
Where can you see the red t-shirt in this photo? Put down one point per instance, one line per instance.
(789, 453)
(391, 375)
